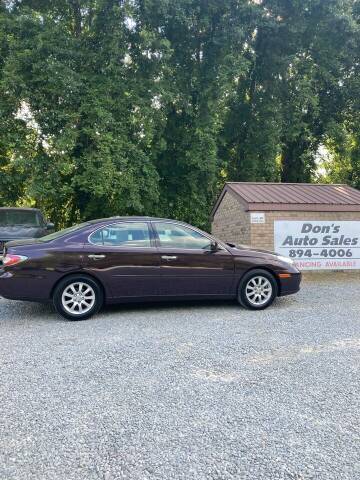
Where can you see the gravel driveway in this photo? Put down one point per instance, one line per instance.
(185, 391)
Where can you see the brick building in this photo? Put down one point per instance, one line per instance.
(249, 213)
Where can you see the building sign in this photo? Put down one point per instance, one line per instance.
(257, 217)
(319, 245)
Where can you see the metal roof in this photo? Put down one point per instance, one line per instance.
(313, 197)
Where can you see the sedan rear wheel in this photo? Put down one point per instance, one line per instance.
(257, 290)
(78, 297)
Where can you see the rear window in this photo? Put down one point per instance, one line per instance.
(20, 217)
(61, 233)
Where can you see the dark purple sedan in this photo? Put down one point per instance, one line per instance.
(124, 259)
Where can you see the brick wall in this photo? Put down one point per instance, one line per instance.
(231, 222)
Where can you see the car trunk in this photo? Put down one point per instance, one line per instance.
(16, 243)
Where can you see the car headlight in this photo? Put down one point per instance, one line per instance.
(285, 259)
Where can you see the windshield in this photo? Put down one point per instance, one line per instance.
(20, 217)
(61, 233)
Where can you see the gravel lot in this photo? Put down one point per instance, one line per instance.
(199, 391)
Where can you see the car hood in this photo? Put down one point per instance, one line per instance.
(251, 251)
(18, 231)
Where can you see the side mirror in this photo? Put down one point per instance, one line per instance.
(50, 226)
(214, 246)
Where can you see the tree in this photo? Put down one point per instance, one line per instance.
(205, 39)
(91, 112)
(293, 93)
(148, 106)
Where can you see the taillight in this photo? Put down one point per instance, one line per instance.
(10, 260)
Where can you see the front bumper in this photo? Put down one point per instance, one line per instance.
(289, 285)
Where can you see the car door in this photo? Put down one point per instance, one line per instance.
(188, 266)
(124, 257)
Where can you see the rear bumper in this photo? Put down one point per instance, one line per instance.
(9, 287)
(23, 287)
(290, 285)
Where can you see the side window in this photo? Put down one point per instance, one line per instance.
(125, 234)
(177, 236)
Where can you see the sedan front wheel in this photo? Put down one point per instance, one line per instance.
(257, 290)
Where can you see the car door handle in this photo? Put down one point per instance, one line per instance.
(169, 257)
(96, 257)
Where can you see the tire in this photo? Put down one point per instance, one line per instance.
(78, 297)
(257, 289)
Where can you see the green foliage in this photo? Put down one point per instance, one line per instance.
(147, 106)
(91, 113)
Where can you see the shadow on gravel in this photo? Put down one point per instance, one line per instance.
(11, 310)
(168, 305)
(163, 306)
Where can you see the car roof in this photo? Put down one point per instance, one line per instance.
(27, 209)
(135, 218)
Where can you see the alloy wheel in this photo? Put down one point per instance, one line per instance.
(78, 298)
(258, 290)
